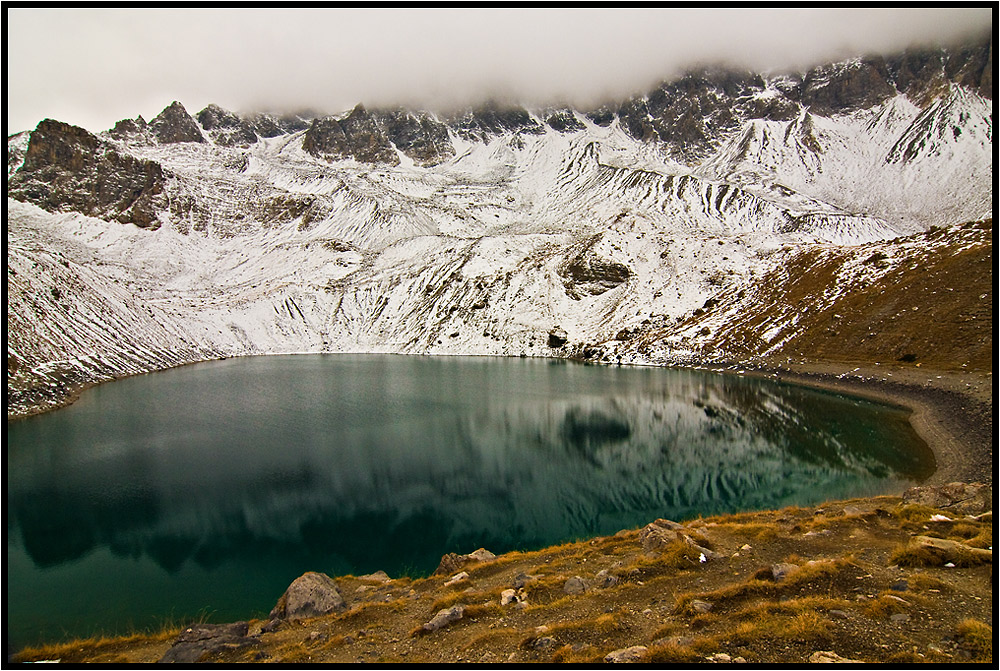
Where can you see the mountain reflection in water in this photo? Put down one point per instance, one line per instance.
(350, 464)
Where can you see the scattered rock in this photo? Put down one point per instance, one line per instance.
(544, 644)
(606, 579)
(522, 579)
(310, 595)
(853, 511)
(271, 626)
(443, 618)
(458, 577)
(575, 585)
(658, 535)
(196, 643)
(899, 618)
(969, 499)
(781, 571)
(952, 552)
(378, 576)
(451, 562)
(828, 657)
(720, 658)
(625, 655)
(839, 614)
(507, 597)
(699, 606)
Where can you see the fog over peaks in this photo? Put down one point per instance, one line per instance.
(91, 66)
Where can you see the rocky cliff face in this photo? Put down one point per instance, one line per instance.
(356, 136)
(67, 168)
(174, 124)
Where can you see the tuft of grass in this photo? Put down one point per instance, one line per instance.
(594, 628)
(914, 557)
(670, 653)
(292, 653)
(977, 637)
(373, 610)
(85, 648)
(922, 581)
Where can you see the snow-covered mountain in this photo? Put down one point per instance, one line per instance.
(494, 230)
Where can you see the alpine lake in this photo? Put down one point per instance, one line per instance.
(203, 491)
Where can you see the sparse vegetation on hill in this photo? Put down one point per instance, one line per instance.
(781, 586)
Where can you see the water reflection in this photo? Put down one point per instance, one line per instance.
(352, 464)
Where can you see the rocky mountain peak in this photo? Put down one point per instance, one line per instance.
(68, 168)
(356, 136)
(174, 124)
(226, 128)
(492, 119)
(418, 135)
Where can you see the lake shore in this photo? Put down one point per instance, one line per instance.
(952, 411)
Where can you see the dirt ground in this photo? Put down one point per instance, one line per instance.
(848, 588)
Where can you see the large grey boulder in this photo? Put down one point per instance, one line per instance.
(310, 595)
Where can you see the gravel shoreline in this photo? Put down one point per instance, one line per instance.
(952, 411)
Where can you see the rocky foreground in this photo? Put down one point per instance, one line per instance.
(884, 579)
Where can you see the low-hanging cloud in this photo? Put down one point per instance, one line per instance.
(92, 67)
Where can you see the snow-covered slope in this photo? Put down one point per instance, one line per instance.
(503, 236)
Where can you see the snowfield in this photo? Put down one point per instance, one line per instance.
(269, 249)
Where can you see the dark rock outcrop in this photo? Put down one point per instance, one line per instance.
(588, 274)
(132, 130)
(225, 128)
(174, 124)
(199, 642)
(564, 121)
(840, 88)
(356, 136)
(492, 119)
(418, 135)
(68, 168)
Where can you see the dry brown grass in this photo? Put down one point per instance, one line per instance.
(84, 648)
(977, 637)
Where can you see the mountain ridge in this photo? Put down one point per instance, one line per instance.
(493, 230)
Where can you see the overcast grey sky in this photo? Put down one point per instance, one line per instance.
(92, 67)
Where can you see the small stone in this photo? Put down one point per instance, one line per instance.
(781, 571)
(522, 579)
(444, 617)
(458, 577)
(829, 657)
(839, 614)
(745, 548)
(899, 586)
(606, 579)
(699, 606)
(508, 596)
(544, 644)
(900, 618)
(377, 576)
(853, 511)
(575, 585)
(625, 655)
(720, 658)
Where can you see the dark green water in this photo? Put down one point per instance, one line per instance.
(209, 488)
